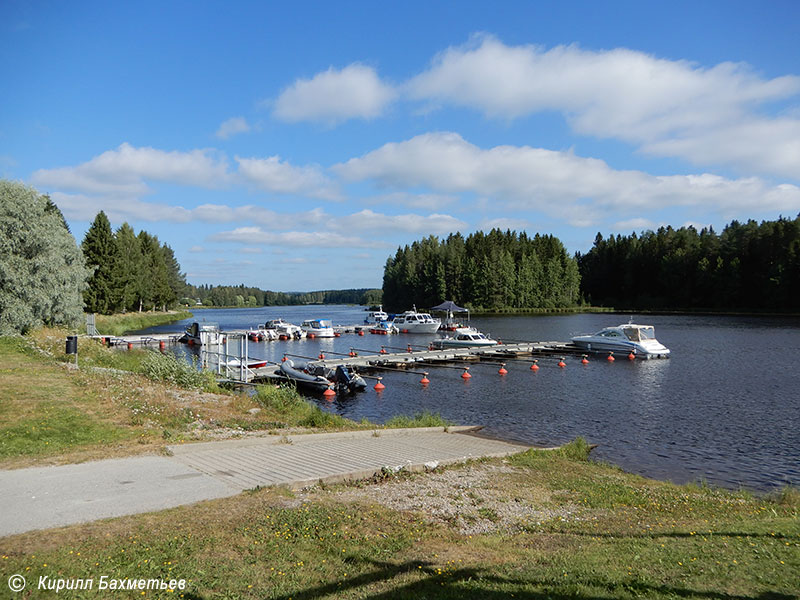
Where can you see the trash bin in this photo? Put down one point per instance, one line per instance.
(72, 344)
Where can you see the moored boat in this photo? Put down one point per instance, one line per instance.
(198, 334)
(318, 328)
(285, 331)
(412, 321)
(464, 337)
(375, 317)
(638, 339)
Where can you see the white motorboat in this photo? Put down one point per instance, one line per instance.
(464, 337)
(318, 328)
(199, 334)
(627, 338)
(286, 331)
(412, 321)
(375, 317)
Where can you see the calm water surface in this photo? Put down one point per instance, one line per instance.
(725, 408)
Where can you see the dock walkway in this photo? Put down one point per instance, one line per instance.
(45, 497)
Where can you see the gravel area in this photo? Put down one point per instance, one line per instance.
(476, 498)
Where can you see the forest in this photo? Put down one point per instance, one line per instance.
(494, 270)
(749, 267)
(241, 295)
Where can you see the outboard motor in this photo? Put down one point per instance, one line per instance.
(343, 377)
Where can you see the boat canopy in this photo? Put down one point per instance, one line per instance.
(449, 306)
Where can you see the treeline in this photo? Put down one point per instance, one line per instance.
(131, 271)
(241, 295)
(748, 267)
(497, 270)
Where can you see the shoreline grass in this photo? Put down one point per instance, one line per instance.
(122, 323)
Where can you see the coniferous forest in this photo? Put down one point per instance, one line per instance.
(747, 267)
(494, 270)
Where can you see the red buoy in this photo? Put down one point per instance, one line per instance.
(311, 335)
(284, 358)
(130, 346)
(379, 386)
(383, 350)
(585, 360)
(561, 363)
(631, 356)
(321, 356)
(352, 352)
(502, 370)
(610, 357)
(409, 348)
(465, 374)
(360, 332)
(534, 366)
(424, 380)
(329, 392)
(161, 345)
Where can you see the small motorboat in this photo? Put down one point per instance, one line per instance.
(375, 317)
(638, 339)
(464, 337)
(198, 334)
(300, 375)
(383, 328)
(285, 331)
(318, 328)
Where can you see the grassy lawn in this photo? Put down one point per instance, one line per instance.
(121, 403)
(611, 535)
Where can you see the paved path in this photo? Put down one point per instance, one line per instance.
(45, 497)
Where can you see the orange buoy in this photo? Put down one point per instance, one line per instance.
(534, 366)
(610, 357)
(383, 350)
(161, 345)
(409, 348)
(284, 358)
(130, 346)
(352, 352)
(379, 386)
(311, 335)
(360, 332)
(585, 360)
(631, 356)
(465, 374)
(502, 370)
(561, 363)
(321, 356)
(424, 380)
(329, 392)
(337, 334)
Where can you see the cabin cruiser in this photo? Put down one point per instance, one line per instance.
(318, 328)
(286, 331)
(412, 321)
(464, 337)
(638, 339)
(375, 317)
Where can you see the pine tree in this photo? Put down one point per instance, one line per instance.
(127, 270)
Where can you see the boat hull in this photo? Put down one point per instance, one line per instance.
(595, 344)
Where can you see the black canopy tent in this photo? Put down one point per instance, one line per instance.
(450, 307)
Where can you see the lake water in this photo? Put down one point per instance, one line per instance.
(725, 408)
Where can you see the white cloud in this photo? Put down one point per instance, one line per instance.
(354, 92)
(273, 175)
(558, 183)
(636, 224)
(673, 108)
(371, 221)
(303, 239)
(411, 200)
(197, 249)
(233, 126)
(123, 171)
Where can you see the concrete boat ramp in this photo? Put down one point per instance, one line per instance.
(46, 497)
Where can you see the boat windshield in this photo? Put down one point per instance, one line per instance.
(640, 334)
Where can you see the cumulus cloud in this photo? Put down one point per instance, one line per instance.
(671, 108)
(123, 171)
(636, 224)
(554, 182)
(231, 127)
(274, 175)
(332, 96)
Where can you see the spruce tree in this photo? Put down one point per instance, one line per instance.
(127, 270)
(100, 250)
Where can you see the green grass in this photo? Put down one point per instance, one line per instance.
(296, 411)
(121, 324)
(421, 419)
(681, 542)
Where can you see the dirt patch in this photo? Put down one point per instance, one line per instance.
(476, 498)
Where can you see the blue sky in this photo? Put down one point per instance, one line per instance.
(295, 146)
